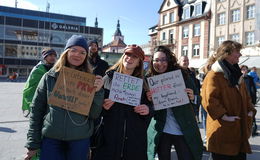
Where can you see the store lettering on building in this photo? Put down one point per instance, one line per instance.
(58, 26)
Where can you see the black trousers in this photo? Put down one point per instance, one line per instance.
(165, 144)
(240, 156)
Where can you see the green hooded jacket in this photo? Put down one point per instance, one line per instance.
(31, 84)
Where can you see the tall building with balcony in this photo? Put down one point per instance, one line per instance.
(236, 20)
(184, 27)
(24, 33)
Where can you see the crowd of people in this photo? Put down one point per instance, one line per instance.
(225, 93)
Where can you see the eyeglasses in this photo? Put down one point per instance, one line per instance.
(74, 50)
(163, 60)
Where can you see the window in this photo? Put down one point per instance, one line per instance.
(186, 13)
(184, 51)
(198, 9)
(235, 37)
(250, 38)
(172, 17)
(164, 19)
(236, 15)
(196, 50)
(221, 18)
(250, 12)
(185, 32)
(171, 36)
(163, 36)
(196, 30)
(221, 39)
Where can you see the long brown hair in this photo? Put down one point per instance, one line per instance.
(225, 49)
(63, 61)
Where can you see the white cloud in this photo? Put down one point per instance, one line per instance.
(21, 4)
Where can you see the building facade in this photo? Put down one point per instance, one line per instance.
(184, 27)
(24, 33)
(236, 20)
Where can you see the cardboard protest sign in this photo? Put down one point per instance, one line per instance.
(74, 90)
(126, 89)
(168, 90)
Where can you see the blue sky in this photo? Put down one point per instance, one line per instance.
(136, 16)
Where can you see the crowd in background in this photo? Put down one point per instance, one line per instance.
(224, 93)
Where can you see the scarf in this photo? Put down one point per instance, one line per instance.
(231, 72)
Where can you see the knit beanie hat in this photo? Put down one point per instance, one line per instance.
(77, 40)
(136, 50)
(93, 41)
(48, 51)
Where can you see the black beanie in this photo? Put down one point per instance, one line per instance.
(77, 40)
(48, 51)
(93, 41)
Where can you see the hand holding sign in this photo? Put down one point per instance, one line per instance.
(190, 93)
(98, 83)
(142, 109)
(149, 95)
(108, 103)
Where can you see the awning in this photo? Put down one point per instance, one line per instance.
(250, 61)
(197, 63)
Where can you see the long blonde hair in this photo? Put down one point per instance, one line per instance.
(118, 67)
(63, 61)
(225, 49)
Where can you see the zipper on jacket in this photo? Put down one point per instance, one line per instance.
(124, 139)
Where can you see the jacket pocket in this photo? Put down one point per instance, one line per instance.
(229, 132)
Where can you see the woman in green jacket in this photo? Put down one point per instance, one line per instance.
(175, 125)
(59, 133)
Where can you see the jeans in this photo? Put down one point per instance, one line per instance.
(165, 144)
(53, 149)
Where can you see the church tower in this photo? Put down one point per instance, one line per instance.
(118, 35)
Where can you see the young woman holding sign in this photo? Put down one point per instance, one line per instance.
(59, 133)
(125, 126)
(175, 125)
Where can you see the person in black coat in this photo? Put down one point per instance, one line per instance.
(250, 86)
(125, 126)
(99, 65)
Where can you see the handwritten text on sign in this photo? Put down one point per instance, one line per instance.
(168, 90)
(126, 89)
(74, 90)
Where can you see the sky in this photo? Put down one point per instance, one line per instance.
(136, 16)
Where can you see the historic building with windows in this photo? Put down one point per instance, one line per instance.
(184, 27)
(24, 33)
(236, 20)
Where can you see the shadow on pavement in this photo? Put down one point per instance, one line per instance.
(9, 130)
